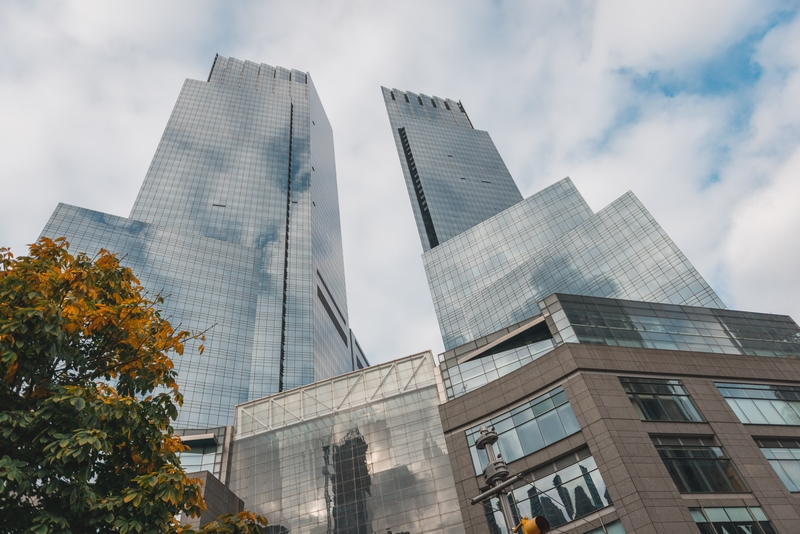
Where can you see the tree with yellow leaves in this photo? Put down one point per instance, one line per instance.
(87, 396)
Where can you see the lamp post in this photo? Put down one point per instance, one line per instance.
(499, 480)
(496, 472)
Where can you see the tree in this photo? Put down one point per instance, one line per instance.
(87, 396)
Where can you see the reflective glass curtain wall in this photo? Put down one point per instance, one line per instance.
(361, 453)
(454, 174)
(491, 256)
(237, 223)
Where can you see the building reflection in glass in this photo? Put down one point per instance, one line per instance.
(347, 474)
(358, 454)
(561, 496)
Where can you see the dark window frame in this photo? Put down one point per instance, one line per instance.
(698, 465)
(763, 404)
(770, 448)
(707, 523)
(663, 400)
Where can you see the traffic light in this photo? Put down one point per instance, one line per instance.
(537, 525)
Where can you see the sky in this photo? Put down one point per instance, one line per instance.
(694, 106)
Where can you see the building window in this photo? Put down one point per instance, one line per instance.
(562, 491)
(756, 404)
(666, 326)
(784, 457)
(751, 520)
(660, 400)
(527, 428)
(469, 376)
(201, 458)
(697, 466)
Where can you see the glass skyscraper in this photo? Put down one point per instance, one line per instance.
(499, 256)
(593, 351)
(496, 255)
(237, 225)
(454, 174)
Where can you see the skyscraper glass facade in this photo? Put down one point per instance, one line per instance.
(454, 174)
(237, 225)
(460, 269)
(620, 252)
(496, 256)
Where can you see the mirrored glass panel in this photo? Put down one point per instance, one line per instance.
(360, 453)
(732, 520)
(654, 325)
(528, 428)
(561, 494)
(660, 400)
(696, 466)
(761, 404)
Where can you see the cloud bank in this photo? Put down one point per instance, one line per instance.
(693, 106)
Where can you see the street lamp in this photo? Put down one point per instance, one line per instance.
(499, 480)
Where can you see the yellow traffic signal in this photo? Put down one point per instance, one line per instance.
(537, 525)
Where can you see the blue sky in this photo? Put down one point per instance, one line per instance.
(692, 106)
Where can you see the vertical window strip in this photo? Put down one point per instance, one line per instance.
(282, 361)
(427, 221)
(333, 300)
(335, 322)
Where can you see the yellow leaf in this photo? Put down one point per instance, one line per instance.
(11, 372)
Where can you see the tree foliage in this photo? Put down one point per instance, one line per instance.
(87, 396)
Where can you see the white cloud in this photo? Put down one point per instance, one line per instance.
(87, 88)
(670, 35)
(761, 256)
